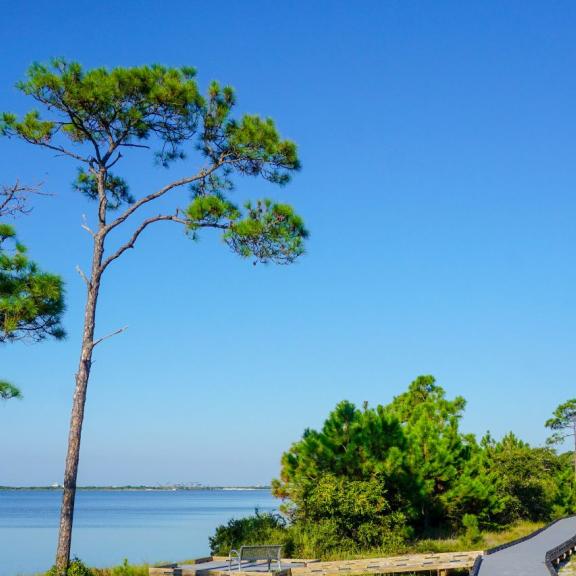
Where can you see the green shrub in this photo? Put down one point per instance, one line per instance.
(75, 568)
(344, 517)
(262, 528)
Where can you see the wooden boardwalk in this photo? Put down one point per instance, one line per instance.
(437, 564)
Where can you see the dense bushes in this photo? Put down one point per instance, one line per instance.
(372, 478)
(252, 530)
(353, 513)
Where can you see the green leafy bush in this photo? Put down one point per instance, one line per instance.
(350, 514)
(262, 528)
(75, 568)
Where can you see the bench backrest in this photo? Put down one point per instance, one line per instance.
(260, 552)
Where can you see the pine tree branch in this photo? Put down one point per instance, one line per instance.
(132, 145)
(76, 121)
(137, 232)
(37, 142)
(176, 184)
(160, 218)
(60, 149)
(114, 161)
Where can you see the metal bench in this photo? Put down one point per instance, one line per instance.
(255, 553)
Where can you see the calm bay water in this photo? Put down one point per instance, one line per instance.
(143, 526)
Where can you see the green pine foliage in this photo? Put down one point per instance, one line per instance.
(118, 192)
(269, 232)
(8, 391)
(31, 301)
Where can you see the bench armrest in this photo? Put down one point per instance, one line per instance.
(235, 553)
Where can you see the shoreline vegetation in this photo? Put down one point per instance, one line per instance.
(489, 539)
(142, 488)
(404, 477)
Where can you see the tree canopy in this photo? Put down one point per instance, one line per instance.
(94, 116)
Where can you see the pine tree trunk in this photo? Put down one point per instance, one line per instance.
(82, 377)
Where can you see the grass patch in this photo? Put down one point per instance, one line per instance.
(514, 532)
(445, 544)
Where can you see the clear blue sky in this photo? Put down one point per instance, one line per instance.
(439, 185)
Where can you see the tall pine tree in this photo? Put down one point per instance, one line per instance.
(95, 117)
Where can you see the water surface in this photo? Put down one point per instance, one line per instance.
(143, 526)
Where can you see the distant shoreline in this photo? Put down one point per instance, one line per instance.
(140, 488)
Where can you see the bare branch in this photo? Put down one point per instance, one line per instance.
(85, 226)
(84, 277)
(131, 145)
(116, 332)
(13, 198)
